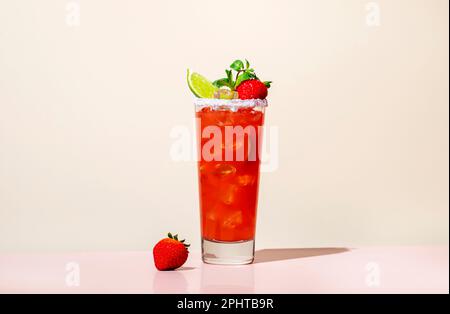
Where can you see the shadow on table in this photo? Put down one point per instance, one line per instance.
(271, 255)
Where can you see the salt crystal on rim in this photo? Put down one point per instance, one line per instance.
(230, 103)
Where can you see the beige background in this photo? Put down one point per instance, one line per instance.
(86, 112)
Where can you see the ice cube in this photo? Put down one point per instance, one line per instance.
(211, 216)
(228, 194)
(223, 117)
(233, 220)
(246, 180)
(224, 169)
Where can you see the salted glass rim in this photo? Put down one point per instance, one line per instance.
(238, 103)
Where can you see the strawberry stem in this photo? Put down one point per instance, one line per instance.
(175, 237)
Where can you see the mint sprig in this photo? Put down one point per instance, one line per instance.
(237, 65)
(242, 72)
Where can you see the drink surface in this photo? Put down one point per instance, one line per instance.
(229, 186)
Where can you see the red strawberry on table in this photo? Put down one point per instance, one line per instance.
(170, 253)
(252, 89)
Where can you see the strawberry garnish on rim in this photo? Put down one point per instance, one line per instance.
(242, 79)
(252, 89)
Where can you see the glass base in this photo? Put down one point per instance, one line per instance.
(228, 253)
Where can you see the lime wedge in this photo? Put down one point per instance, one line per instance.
(200, 85)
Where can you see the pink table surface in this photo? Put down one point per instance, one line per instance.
(313, 270)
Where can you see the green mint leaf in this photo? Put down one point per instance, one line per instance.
(267, 83)
(229, 76)
(222, 82)
(247, 64)
(237, 65)
(252, 75)
(243, 77)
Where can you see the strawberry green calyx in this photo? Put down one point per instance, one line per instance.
(267, 83)
(239, 72)
(175, 237)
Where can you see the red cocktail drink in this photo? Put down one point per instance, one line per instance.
(229, 134)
